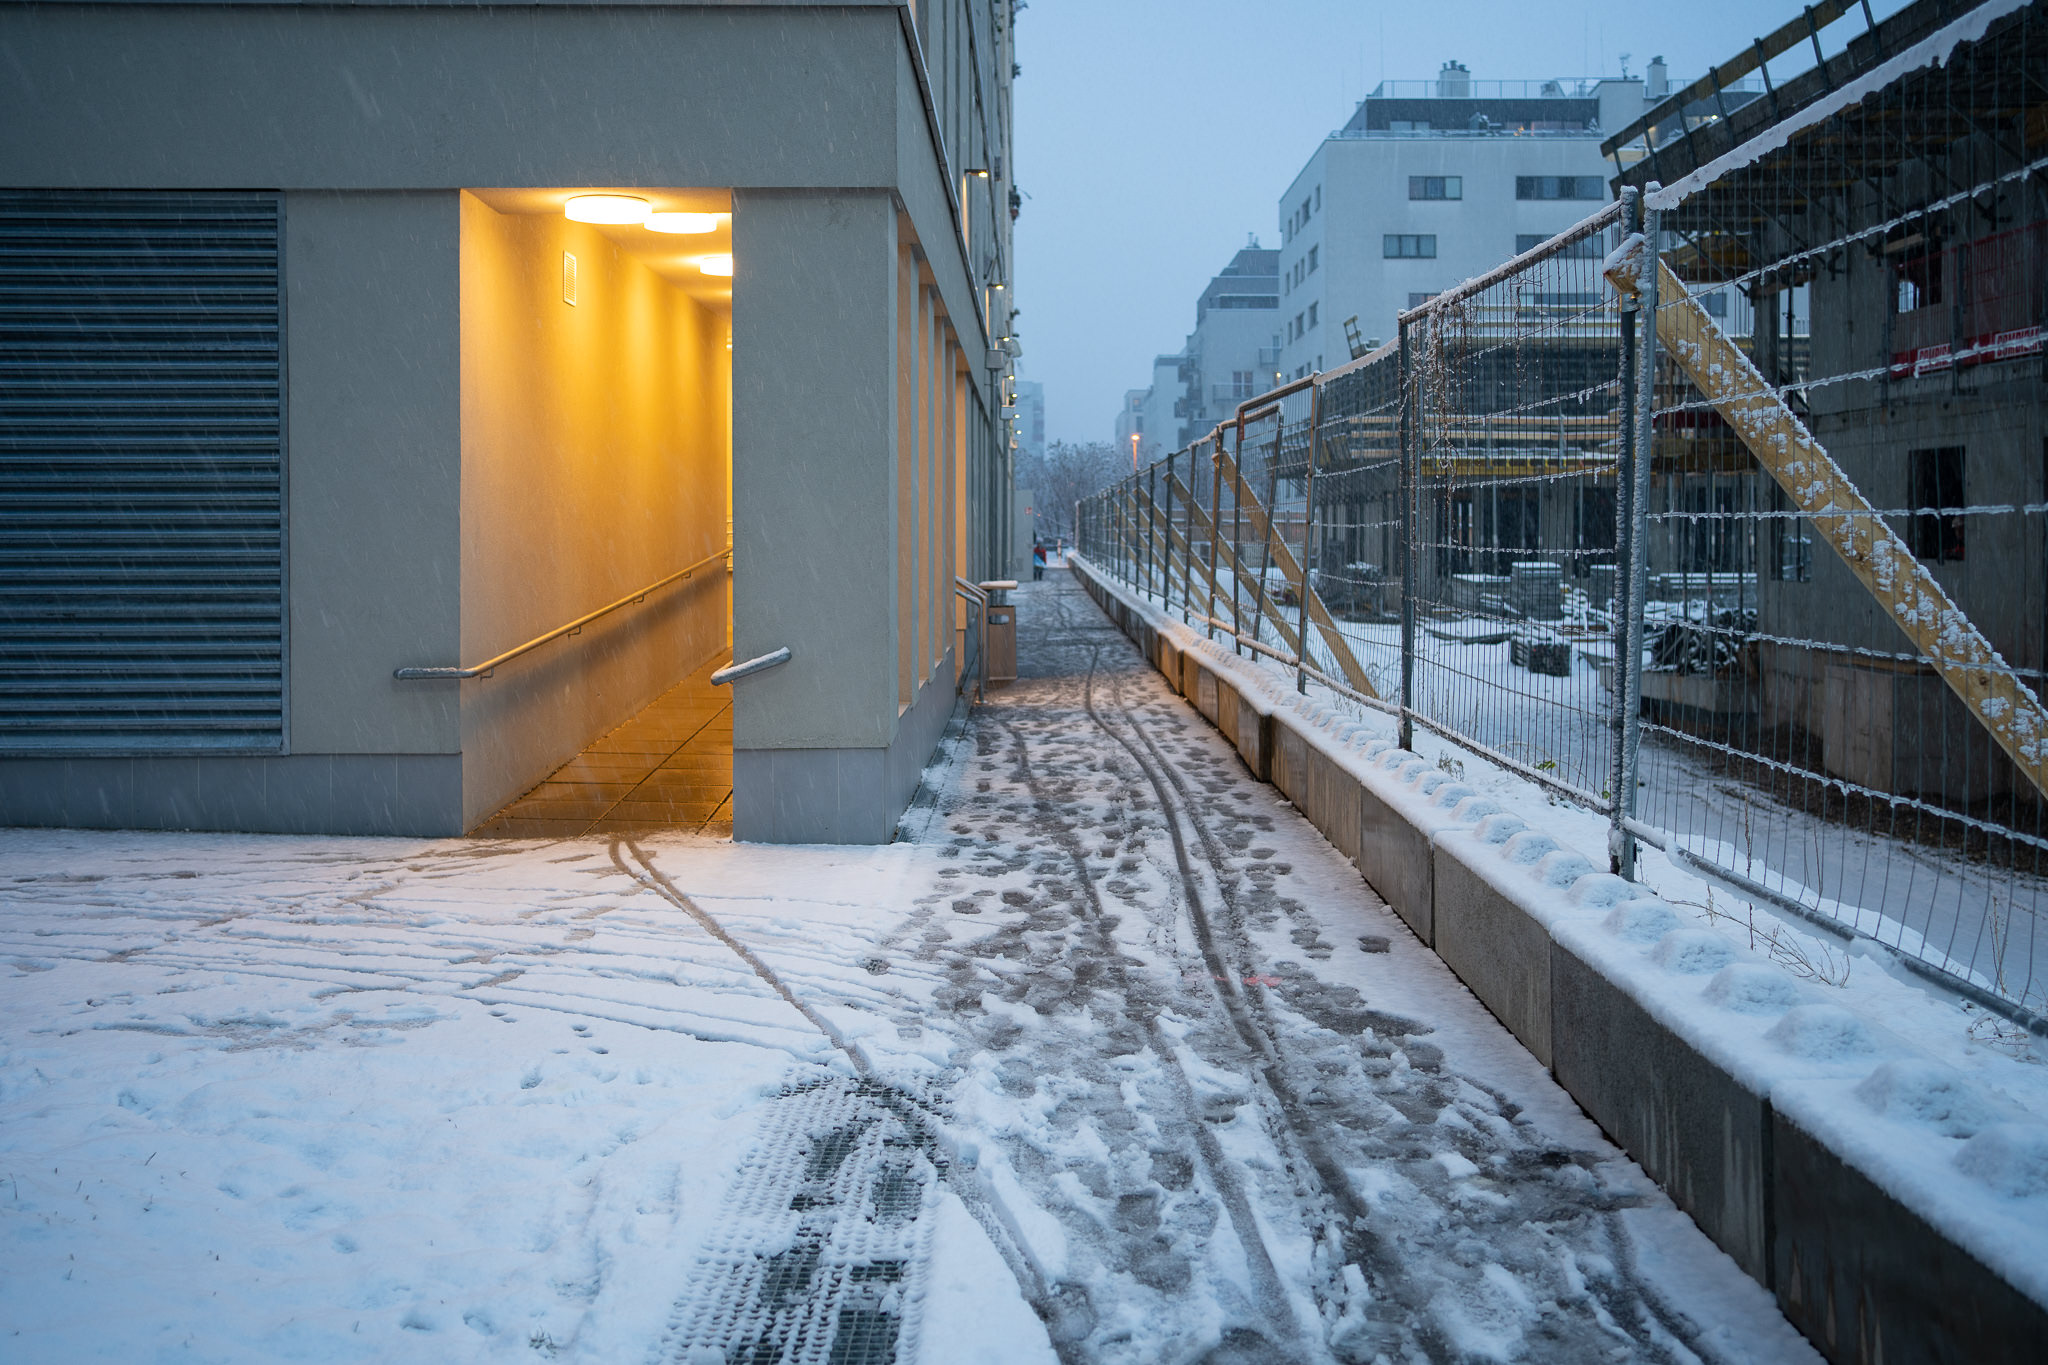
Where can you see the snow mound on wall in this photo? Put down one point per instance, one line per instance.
(2011, 1158)
(1930, 1093)
(1822, 1033)
(1750, 988)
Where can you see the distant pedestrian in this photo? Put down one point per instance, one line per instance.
(1037, 561)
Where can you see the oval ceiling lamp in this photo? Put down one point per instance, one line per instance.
(681, 222)
(715, 265)
(606, 208)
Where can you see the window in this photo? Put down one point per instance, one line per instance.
(1791, 546)
(1312, 253)
(1937, 482)
(1241, 382)
(1559, 187)
(1436, 187)
(1585, 249)
(1312, 315)
(1303, 215)
(1715, 303)
(1417, 300)
(1410, 245)
(1919, 281)
(1319, 199)
(1298, 328)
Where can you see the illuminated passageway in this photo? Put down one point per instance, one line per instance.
(668, 768)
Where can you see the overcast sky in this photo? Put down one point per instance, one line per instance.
(1152, 135)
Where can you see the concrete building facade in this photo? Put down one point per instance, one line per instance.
(1228, 358)
(456, 420)
(1028, 432)
(1430, 183)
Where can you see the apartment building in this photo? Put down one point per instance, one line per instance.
(1028, 426)
(351, 348)
(1229, 357)
(1428, 184)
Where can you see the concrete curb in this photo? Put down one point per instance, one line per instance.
(1866, 1278)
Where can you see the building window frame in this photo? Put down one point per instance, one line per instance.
(1936, 480)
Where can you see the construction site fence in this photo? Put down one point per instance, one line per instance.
(1541, 527)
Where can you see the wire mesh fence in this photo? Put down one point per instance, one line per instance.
(1724, 513)
(1516, 437)
(1843, 707)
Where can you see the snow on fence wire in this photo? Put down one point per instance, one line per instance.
(1773, 572)
(1843, 707)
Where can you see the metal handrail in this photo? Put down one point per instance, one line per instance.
(490, 666)
(964, 589)
(734, 672)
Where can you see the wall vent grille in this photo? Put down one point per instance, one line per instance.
(141, 473)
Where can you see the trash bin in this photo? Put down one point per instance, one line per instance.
(999, 630)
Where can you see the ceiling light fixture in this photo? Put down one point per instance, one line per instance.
(606, 208)
(715, 265)
(681, 222)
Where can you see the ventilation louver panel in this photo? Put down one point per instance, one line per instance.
(141, 473)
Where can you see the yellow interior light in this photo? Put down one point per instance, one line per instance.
(606, 208)
(715, 265)
(681, 222)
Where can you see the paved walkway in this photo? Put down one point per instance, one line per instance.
(1110, 1060)
(668, 768)
(1260, 1112)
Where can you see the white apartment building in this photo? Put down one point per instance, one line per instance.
(1146, 425)
(1232, 353)
(1027, 431)
(1430, 183)
(1229, 357)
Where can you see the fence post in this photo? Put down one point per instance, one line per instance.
(1409, 558)
(1308, 536)
(1127, 545)
(1215, 523)
(1151, 509)
(1237, 541)
(1272, 532)
(1187, 558)
(1633, 552)
(1166, 539)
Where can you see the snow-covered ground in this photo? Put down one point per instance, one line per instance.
(1112, 1058)
(1976, 917)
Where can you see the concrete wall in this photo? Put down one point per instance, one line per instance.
(372, 307)
(828, 416)
(595, 460)
(1864, 1276)
(424, 436)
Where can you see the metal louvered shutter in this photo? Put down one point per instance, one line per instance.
(141, 473)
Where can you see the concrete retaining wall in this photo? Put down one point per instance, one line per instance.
(1864, 1277)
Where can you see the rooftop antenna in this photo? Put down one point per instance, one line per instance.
(1624, 64)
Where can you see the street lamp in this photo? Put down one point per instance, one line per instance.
(1134, 452)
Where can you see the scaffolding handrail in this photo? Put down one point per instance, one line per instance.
(490, 666)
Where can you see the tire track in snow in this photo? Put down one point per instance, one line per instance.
(1655, 1330)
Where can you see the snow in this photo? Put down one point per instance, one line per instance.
(1933, 50)
(1811, 1039)
(332, 1099)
